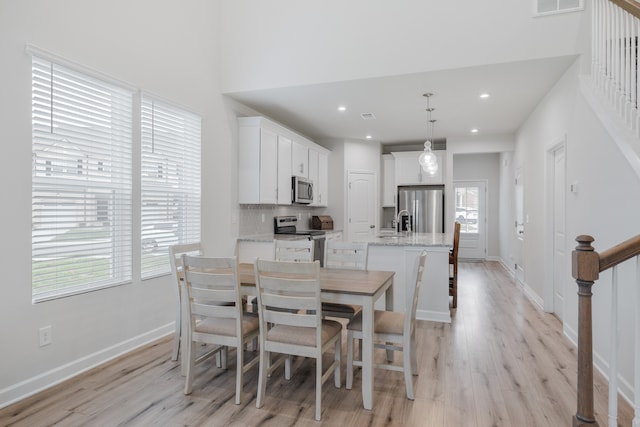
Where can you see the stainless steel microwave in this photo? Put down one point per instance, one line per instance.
(301, 190)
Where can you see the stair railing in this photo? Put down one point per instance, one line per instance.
(587, 264)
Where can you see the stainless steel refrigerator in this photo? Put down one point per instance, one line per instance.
(423, 207)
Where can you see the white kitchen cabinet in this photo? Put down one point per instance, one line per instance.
(269, 155)
(319, 175)
(333, 235)
(389, 181)
(323, 179)
(300, 159)
(284, 170)
(313, 175)
(257, 165)
(409, 172)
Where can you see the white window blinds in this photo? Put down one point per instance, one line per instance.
(81, 181)
(170, 182)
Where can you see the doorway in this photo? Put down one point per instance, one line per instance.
(519, 225)
(362, 202)
(471, 213)
(557, 258)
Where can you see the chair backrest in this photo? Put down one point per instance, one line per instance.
(175, 255)
(409, 318)
(345, 255)
(456, 241)
(289, 294)
(294, 250)
(212, 289)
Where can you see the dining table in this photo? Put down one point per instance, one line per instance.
(356, 287)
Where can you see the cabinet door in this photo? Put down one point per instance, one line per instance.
(409, 171)
(268, 166)
(284, 171)
(299, 160)
(389, 181)
(323, 179)
(313, 175)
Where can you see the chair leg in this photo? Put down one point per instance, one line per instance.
(407, 366)
(239, 370)
(262, 377)
(318, 386)
(338, 359)
(414, 362)
(189, 359)
(287, 367)
(349, 380)
(178, 333)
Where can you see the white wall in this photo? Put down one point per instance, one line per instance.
(296, 44)
(171, 53)
(605, 207)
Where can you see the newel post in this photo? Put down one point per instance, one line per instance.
(585, 266)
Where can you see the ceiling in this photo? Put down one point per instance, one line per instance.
(399, 107)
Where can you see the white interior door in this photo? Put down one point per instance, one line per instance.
(361, 205)
(559, 236)
(471, 213)
(519, 225)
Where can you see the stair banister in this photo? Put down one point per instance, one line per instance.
(586, 267)
(631, 6)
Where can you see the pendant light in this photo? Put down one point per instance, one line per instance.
(427, 159)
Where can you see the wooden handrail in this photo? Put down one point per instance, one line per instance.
(586, 265)
(620, 253)
(631, 6)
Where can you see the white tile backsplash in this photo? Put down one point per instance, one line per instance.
(251, 217)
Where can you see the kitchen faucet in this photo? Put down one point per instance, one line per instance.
(408, 222)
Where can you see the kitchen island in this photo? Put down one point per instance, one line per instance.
(399, 253)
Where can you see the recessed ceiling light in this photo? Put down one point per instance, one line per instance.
(342, 108)
(474, 130)
(368, 137)
(484, 95)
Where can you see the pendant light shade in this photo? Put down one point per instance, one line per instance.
(428, 160)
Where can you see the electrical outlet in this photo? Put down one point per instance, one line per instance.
(45, 336)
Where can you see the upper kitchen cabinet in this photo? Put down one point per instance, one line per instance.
(319, 175)
(269, 155)
(409, 172)
(300, 159)
(257, 164)
(284, 170)
(389, 181)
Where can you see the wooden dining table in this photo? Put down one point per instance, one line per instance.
(358, 287)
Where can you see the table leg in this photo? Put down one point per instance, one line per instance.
(367, 353)
(388, 302)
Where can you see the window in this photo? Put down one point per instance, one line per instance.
(81, 181)
(467, 208)
(170, 182)
(546, 7)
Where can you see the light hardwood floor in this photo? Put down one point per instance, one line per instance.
(501, 362)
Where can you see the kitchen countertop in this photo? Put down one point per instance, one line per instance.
(400, 239)
(412, 239)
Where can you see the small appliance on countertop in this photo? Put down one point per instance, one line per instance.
(322, 222)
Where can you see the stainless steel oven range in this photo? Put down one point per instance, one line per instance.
(287, 225)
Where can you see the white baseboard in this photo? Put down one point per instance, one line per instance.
(434, 316)
(62, 373)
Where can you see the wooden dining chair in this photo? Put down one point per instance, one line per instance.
(175, 255)
(215, 314)
(293, 250)
(289, 303)
(453, 265)
(392, 331)
(344, 255)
